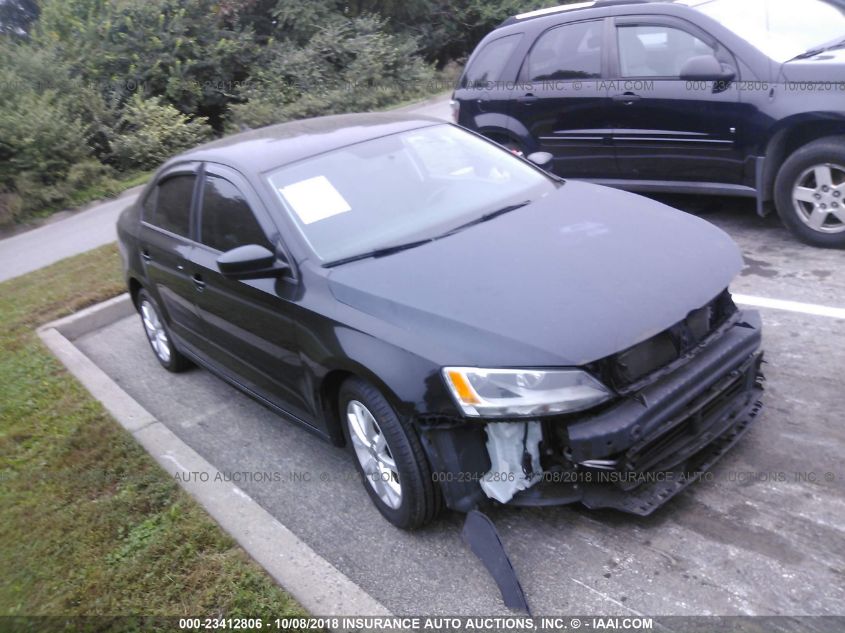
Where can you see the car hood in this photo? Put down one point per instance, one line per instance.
(828, 67)
(579, 275)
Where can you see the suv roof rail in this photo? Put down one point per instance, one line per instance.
(610, 3)
(563, 8)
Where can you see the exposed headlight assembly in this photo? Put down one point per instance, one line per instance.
(494, 393)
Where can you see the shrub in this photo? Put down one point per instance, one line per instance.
(10, 207)
(347, 66)
(37, 196)
(150, 132)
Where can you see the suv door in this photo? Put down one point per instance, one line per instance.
(667, 128)
(166, 244)
(483, 95)
(249, 325)
(563, 104)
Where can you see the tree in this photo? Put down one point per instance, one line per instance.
(182, 50)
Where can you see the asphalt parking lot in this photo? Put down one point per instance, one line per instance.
(764, 537)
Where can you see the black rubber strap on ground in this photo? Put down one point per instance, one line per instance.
(483, 540)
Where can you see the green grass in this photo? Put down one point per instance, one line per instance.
(90, 524)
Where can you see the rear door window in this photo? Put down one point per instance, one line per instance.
(571, 51)
(490, 62)
(173, 204)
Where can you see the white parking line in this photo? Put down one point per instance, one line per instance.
(790, 306)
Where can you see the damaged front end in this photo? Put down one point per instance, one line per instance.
(679, 401)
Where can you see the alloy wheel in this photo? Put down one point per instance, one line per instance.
(374, 454)
(819, 198)
(155, 331)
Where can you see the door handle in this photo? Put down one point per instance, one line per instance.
(198, 282)
(627, 98)
(145, 255)
(527, 99)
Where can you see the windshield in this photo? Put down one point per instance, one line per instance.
(782, 29)
(401, 188)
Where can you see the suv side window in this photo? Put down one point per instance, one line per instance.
(491, 61)
(227, 221)
(173, 204)
(571, 51)
(657, 51)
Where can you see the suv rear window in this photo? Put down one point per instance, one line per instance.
(571, 51)
(490, 61)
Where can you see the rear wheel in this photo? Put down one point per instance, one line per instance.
(810, 193)
(159, 336)
(389, 457)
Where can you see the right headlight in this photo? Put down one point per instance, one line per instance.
(523, 392)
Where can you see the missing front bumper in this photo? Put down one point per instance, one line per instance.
(633, 456)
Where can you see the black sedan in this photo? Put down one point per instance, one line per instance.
(475, 329)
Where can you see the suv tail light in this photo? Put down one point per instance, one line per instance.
(456, 109)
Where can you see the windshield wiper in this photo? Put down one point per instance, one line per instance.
(390, 250)
(378, 252)
(819, 50)
(488, 216)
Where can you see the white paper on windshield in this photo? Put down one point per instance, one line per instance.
(315, 199)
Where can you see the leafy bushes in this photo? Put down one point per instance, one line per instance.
(151, 131)
(42, 132)
(41, 129)
(347, 66)
(91, 90)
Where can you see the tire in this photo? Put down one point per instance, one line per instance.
(810, 193)
(419, 499)
(158, 335)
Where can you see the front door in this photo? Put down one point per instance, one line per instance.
(563, 103)
(249, 325)
(666, 128)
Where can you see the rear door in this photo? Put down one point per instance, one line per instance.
(166, 244)
(485, 90)
(667, 128)
(249, 325)
(564, 104)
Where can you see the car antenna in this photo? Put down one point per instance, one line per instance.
(480, 535)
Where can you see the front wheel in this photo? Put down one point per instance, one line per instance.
(389, 457)
(810, 193)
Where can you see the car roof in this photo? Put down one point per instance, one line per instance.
(564, 9)
(263, 149)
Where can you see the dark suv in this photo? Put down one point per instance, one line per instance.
(687, 96)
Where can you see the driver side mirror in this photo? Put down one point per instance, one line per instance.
(251, 262)
(706, 68)
(541, 159)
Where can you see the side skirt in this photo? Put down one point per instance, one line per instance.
(188, 350)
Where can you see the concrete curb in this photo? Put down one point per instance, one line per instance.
(318, 586)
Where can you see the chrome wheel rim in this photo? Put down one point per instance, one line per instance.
(156, 333)
(374, 454)
(819, 198)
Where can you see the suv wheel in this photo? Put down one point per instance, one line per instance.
(389, 457)
(810, 193)
(158, 335)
